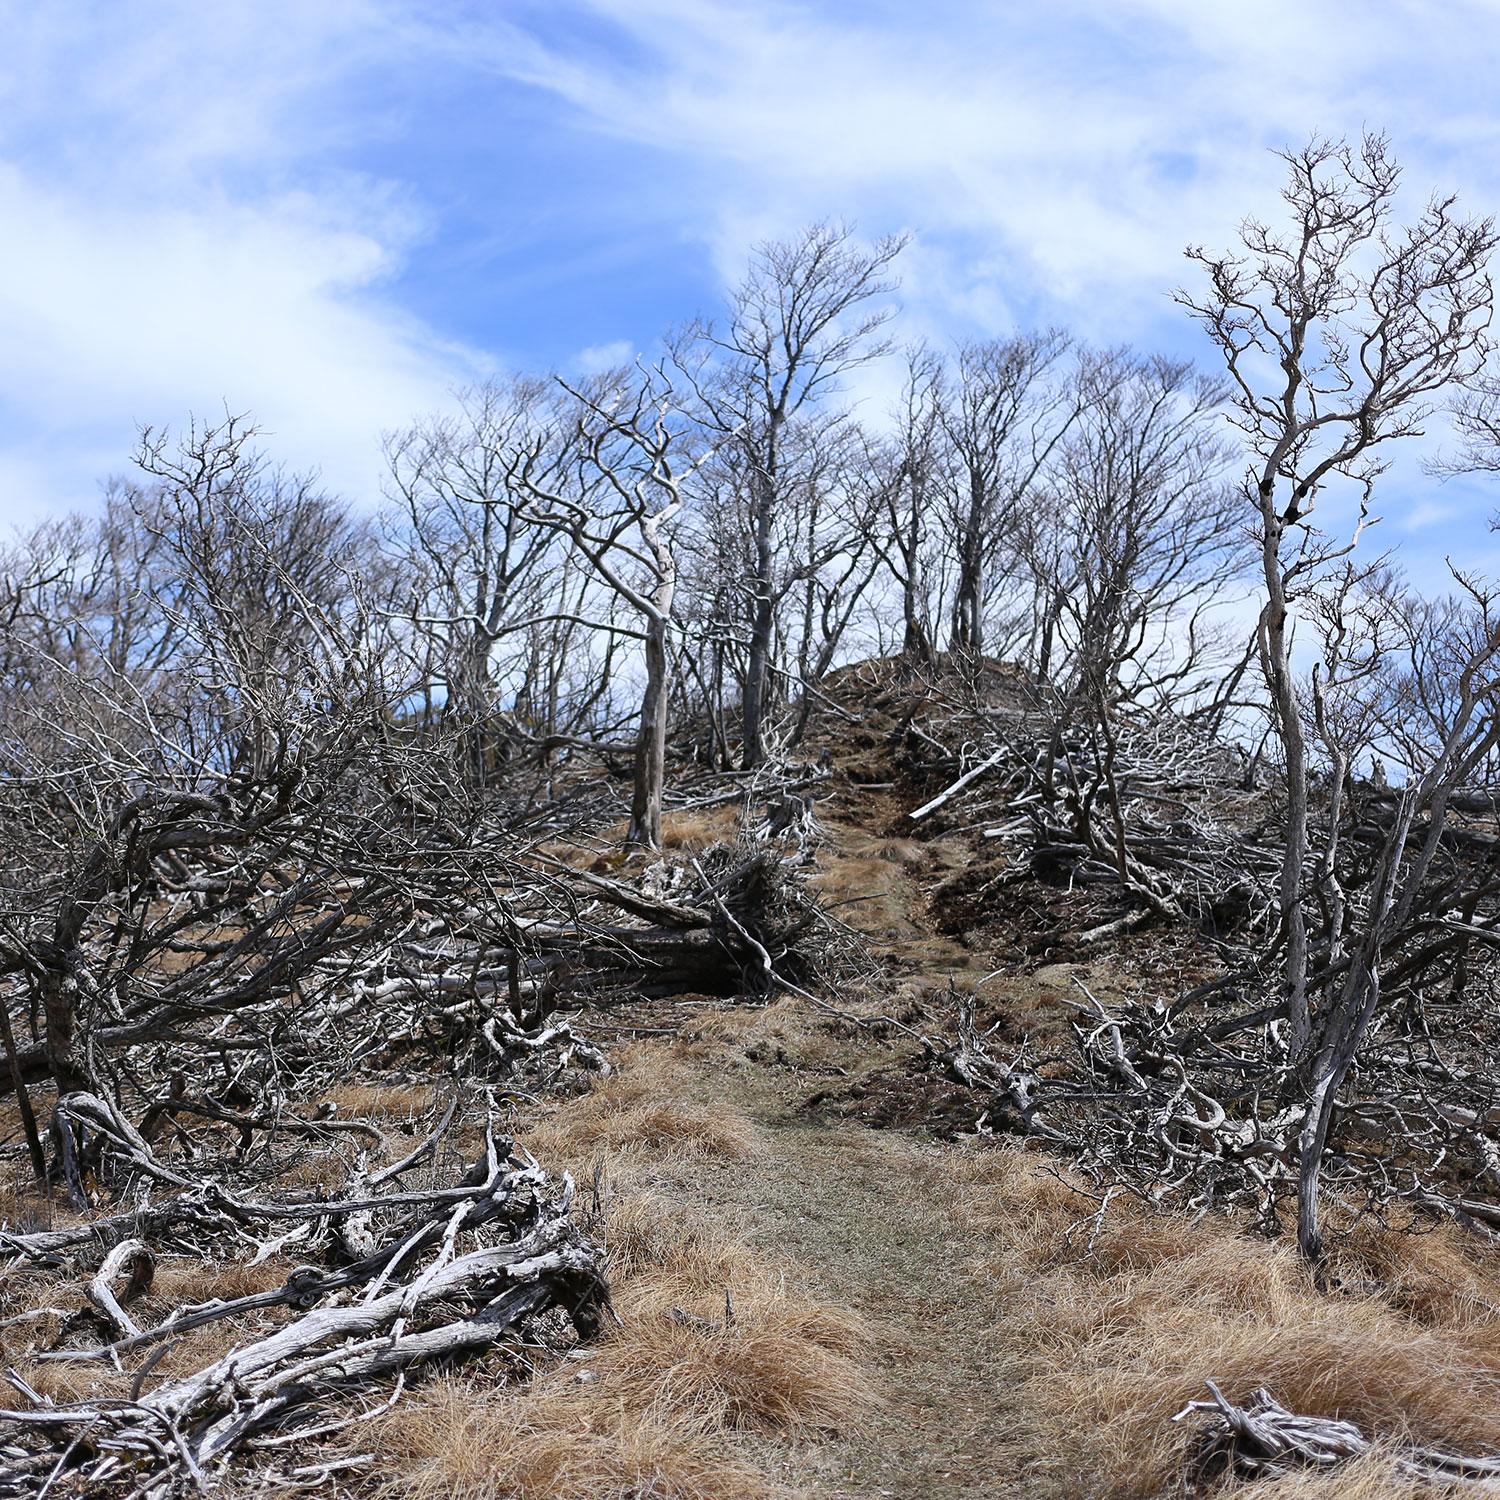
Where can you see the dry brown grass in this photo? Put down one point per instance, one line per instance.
(784, 1030)
(784, 1361)
(1038, 1002)
(664, 1129)
(63, 1382)
(653, 1410)
(760, 1373)
(1376, 1476)
(905, 852)
(394, 1101)
(27, 1205)
(325, 1168)
(662, 1256)
(472, 1443)
(639, 1111)
(868, 893)
(200, 1281)
(1438, 1276)
(695, 829)
(1122, 1335)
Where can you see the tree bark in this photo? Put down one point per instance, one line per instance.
(651, 741)
(763, 615)
(1275, 652)
(968, 628)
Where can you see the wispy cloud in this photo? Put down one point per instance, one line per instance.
(167, 250)
(1057, 157)
(1053, 161)
(598, 358)
(327, 212)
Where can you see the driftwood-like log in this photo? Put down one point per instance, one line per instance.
(424, 1296)
(1264, 1438)
(949, 793)
(133, 1260)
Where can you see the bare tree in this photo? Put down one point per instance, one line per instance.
(907, 475)
(477, 568)
(1339, 337)
(1147, 531)
(1132, 542)
(617, 514)
(124, 783)
(800, 322)
(1005, 413)
(81, 588)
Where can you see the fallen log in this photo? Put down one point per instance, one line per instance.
(424, 1298)
(1264, 1438)
(963, 781)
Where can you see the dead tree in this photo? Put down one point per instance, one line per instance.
(476, 572)
(800, 322)
(442, 1272)
(907, 477)
(1338, 336)
(1132, 543)
(1005, 413)
(618, 515)
(1196, 1099)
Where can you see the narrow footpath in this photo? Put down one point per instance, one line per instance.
(866, 1218)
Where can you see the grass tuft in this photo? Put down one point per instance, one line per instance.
(1127, 1320)
(466, 1442)
(638, 1110)
(696, 829)
(652, 1410)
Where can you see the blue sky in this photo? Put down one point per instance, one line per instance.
(329, 213)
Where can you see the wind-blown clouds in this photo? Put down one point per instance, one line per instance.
(1052, 157)
(1052, 162)
(328, 213)
(113, 316)
(165, 248)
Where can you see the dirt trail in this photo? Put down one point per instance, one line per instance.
(864, 1215)
(867, 1217)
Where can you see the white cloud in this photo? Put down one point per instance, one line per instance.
(110, 317)
(172, 235)
(158, 256)
(1053, 161)
(598, 358)
(1070, 151)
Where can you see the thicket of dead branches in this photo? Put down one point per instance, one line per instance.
(1195, 1097)
(244, 872)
